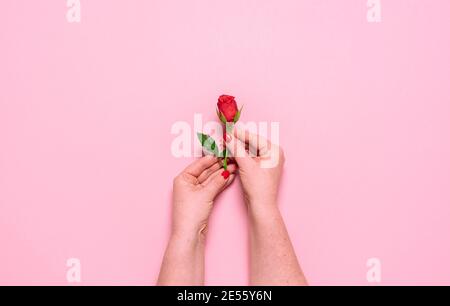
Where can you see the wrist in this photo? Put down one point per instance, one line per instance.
(187, 242)
(264, 208)
(191, 234)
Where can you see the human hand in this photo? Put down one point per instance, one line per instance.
(194, 191)
(260, 167)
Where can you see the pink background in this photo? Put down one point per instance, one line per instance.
(86, 112)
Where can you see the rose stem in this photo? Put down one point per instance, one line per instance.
(225, 161)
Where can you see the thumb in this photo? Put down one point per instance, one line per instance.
(238, 152)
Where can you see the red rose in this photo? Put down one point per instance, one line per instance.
(228, 108)
(229, 114)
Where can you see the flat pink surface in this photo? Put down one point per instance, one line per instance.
(86, 112)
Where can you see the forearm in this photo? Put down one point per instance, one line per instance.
(184, 261)
(273, 259)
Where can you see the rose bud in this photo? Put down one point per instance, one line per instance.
(227, 109)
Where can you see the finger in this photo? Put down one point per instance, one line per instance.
(238, 152)
(230, 181)
(207, 173)
(200, 165)
(231, 168)
(257, 142)
(216, 183)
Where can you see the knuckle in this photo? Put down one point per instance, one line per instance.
(176, 180)
(179, 178)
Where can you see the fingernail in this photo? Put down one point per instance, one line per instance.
(228, 138)
(226, 174)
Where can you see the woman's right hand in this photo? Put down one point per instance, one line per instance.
(260, 167)
(272, 256)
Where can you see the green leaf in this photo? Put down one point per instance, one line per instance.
(221, 116)
(208, 143)
(238, 115)
(202, 137)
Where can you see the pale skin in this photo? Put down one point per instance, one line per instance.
(272, 256)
